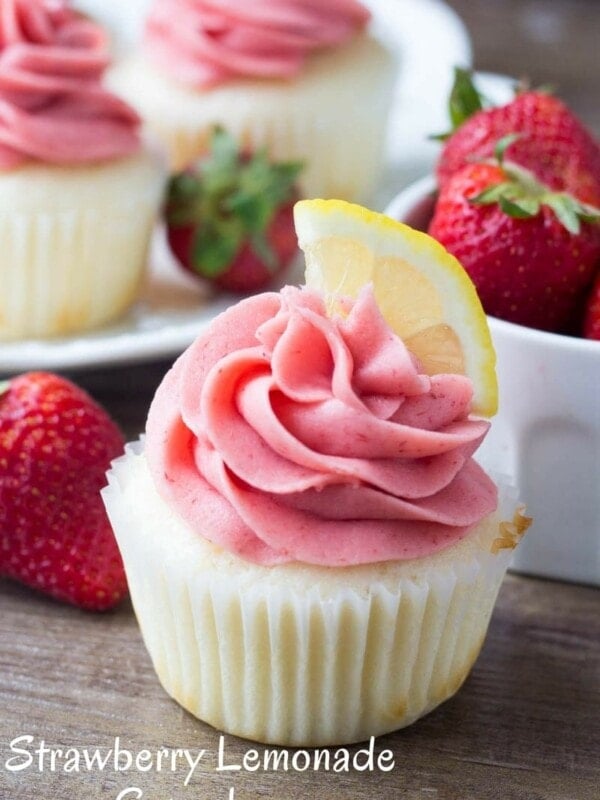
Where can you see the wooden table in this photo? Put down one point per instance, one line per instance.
(525, 726)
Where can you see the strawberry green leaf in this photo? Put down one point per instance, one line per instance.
(518, 209)
(254, 212)
(219, 172)
(530, 205)
(565, 211)
(503, 144)
(184, 186)
(183, 195)
(465, 100)
(223, 147)
(288, 171)
(570, 211)
(264, 251)
(215, 247)
(586, 212)
(492, 194)
(522, 195)
(588, 217)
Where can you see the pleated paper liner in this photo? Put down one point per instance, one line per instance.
(74, 243)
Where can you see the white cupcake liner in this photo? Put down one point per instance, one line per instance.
(318, 117)
(295, 654)
(74, 243)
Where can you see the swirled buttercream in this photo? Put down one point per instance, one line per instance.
(283, 434)
(53, 107)
(207, 42)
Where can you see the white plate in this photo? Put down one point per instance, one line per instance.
(429, 38)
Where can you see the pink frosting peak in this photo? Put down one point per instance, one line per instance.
(207, 42)
(53, 107)
(283, 434)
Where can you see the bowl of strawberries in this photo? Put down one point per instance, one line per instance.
(516, 198)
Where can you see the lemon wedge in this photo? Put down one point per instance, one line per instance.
(424, 294)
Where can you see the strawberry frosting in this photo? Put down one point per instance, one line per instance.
(283, 435)
(53, 107)
(207, 42)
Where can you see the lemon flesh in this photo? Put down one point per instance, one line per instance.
(424, 294)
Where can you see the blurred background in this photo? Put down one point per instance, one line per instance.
(554, 42)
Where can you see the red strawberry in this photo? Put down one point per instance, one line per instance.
(552, 142)
(55, 447)
(229, 217)
(591, 320)
(530, 252)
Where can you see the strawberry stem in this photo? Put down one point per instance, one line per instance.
(464, 101)
(521, 195)
(230, 198)
(503, 144)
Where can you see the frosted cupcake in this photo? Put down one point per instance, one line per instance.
(301, 77)
(317, 554)
(78, 190)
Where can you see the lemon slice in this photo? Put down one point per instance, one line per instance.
(424, 294)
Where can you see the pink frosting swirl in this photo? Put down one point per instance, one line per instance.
(53, 107)
(284, 435)
(207, 42)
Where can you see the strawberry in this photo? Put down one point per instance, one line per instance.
(591, 319)
(55, 447)
(552, 143)
(229, 217)
(531, 252)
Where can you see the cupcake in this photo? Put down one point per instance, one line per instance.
(312, 551)
(78, 190)
(303, 78)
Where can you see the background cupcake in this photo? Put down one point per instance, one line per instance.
(78, 190)
(303, 78)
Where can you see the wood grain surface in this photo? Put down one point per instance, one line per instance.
(526, 724)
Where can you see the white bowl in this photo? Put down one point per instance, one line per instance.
(547, 431)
